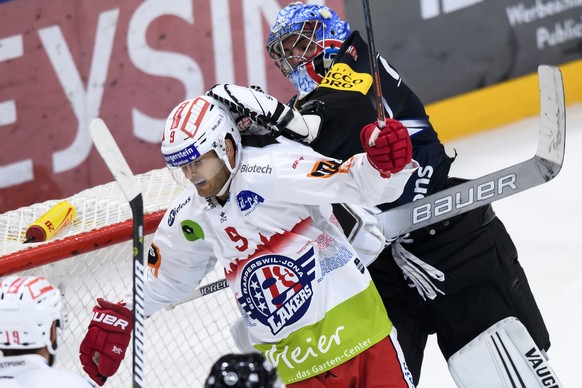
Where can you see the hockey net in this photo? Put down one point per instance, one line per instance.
(92, 258)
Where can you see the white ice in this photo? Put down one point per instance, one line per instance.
(545, 224)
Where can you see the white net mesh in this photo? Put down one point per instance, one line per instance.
(181, 344)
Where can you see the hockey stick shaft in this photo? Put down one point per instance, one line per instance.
(113, 158)
(202, 291)
(374, 64)
(375, 74)
(469, 195)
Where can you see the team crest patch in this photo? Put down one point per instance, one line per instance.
(192, 231)
(277, 290)
(248, 200)
(327, 168)
(154, 259)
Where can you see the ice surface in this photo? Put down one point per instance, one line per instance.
(545, 224)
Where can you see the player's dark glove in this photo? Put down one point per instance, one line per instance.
(392, 150)
(106, 341)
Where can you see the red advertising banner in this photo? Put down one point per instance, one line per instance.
(65, 62)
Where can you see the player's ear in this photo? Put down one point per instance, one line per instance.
(54, 334)
(230, 150)
(229, 146)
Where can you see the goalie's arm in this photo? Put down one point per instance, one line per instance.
(265, 110)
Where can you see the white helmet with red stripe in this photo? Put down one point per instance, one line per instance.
(28, 307)
(196, 127)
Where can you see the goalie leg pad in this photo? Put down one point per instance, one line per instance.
(502, 356)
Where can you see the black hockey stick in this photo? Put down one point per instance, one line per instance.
(201, 291)
(469, 195)
(374, 64)
(375, 73)
(113, 158)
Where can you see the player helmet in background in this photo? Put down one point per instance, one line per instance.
(324, 32)
(28, 308)
(250, 370)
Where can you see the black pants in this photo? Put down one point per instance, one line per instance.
(483, 284)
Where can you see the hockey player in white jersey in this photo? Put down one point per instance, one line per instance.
(459, 278)
(31, 319)
(265, 214)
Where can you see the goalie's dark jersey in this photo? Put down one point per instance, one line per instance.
(349, 104)
(483, 280)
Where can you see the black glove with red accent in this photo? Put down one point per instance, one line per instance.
(105, 344)
(392, 150)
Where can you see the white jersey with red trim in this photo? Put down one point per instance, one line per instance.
(307, 297)
(33, 371)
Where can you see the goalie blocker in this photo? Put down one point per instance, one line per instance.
(265, 110)
(504, 355)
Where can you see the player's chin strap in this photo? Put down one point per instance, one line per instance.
(416, 270)
(226, 186)
(504, 355)
(232, 170)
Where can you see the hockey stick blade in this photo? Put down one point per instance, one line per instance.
(469, 195)
(116, 163)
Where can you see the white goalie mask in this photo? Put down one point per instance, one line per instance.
(195, 127)
(28, 308)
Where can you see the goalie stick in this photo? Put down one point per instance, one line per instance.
(113, 158)
(541, 168)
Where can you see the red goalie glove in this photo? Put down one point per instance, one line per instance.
(105, 344)
(392, 150)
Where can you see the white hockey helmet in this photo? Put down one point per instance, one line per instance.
(28, 307)
(195, 127)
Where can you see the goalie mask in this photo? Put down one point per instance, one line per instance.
(194, 128)
(250, 370)
(28, 308)
(304, 41)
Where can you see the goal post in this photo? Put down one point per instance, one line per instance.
(92, 258)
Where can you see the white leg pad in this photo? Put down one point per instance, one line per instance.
(502, 356)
